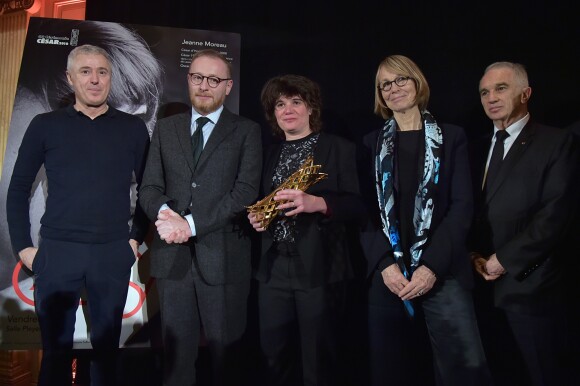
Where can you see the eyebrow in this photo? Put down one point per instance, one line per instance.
(209, 76)
(90, 68)
(296, 98)
(495, 85)
(396, 76)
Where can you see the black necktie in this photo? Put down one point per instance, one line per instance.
(197, 139)
(496, 157)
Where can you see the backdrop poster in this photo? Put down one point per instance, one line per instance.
(150, 65)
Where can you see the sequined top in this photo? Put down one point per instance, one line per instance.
(292, 156)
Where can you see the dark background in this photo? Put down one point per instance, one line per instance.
(341, 45)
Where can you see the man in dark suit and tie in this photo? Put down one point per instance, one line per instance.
(520, 229)
(203, 169)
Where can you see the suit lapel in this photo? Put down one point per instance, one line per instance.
(480, 153)
(183, 130)
(512, 158)
(224, 126)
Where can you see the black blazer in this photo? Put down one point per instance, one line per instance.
(322, 241)
(525, 215)
(446, 250)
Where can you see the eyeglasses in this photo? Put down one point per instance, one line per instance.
(212, 81)
(400, 81)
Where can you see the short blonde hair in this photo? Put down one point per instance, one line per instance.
(402, 66)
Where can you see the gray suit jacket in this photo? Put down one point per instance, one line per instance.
(225, 181)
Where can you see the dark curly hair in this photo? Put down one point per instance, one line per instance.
(291, 85)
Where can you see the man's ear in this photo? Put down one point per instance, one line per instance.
(68, 78)
(526, 94)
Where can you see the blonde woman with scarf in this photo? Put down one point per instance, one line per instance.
(420, 279)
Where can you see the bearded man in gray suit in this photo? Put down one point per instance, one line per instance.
(196, 189)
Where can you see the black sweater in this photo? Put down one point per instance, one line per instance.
(89, 167)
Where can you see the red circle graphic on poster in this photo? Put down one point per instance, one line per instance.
(28, 300)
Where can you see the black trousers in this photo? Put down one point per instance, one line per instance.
(544, 343)
(61, 271)
(444, 332)
(296, 331)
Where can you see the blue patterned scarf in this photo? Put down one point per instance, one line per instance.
(424, 204)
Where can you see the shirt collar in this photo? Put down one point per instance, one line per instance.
(515, 128)
(214, 116)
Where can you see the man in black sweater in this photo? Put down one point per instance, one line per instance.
(90, 152)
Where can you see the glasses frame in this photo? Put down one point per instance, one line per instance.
(210, 79)
(399, 81)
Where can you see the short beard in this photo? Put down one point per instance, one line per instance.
(207, 108)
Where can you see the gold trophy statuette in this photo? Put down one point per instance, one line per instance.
(302, 179)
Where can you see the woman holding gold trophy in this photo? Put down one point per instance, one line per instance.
(311, 184)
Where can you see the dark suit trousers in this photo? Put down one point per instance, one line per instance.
(190, 305)
(543, 342)
(61, 270)
(294, 332)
